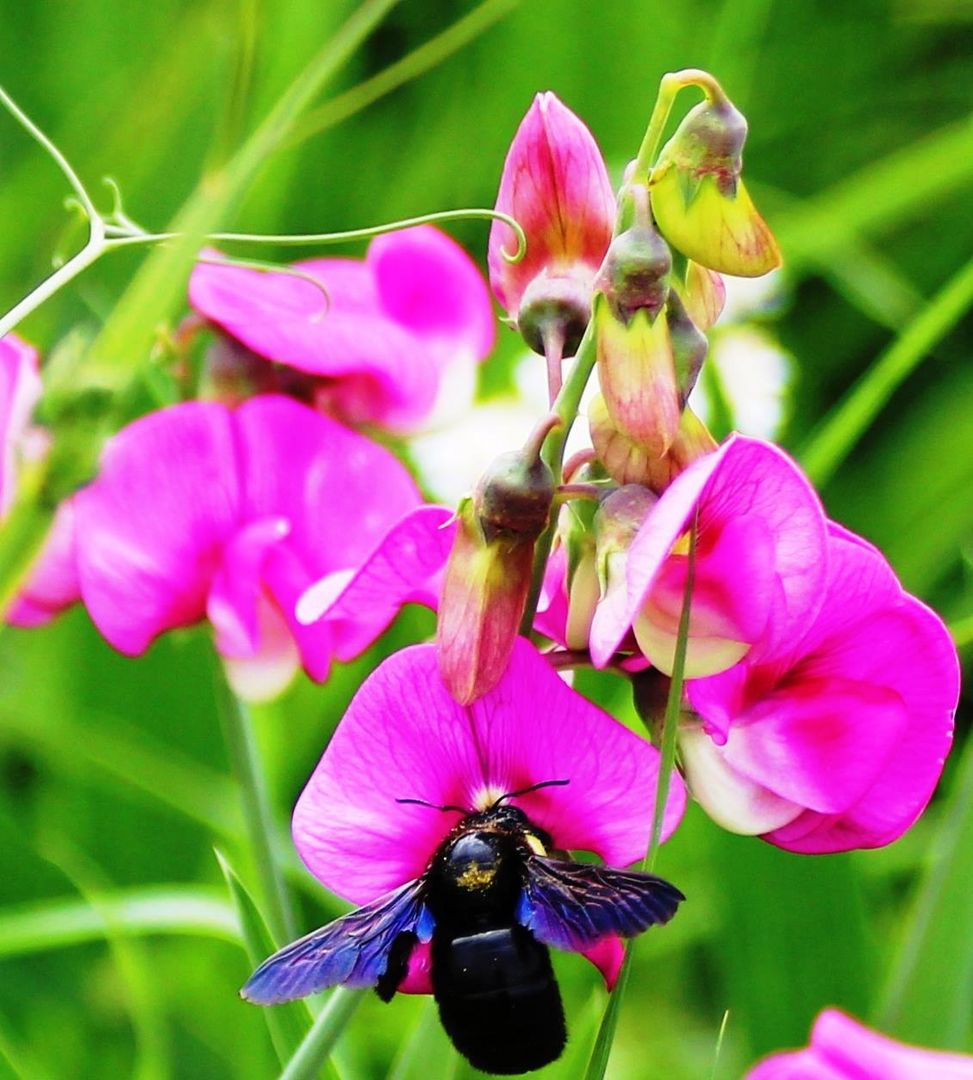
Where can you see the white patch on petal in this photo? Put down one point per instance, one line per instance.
(268, 673)
(317, 598)
(731, 800)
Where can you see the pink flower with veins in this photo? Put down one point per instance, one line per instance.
(556, 186)
(761, 563)
(51, 584)
(361, 843)
(203, 512)
(837, 741)
(399, 331)
(843, 1049)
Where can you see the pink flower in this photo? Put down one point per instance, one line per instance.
(51, 584)
(760, 563)
(203, 512)
(404, 737)
(838, 741)
(397, 327)
(843, 1049)
(556, 186)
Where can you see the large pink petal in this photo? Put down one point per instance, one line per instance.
(404, 568)
(339, 490)
(405, 737)
(821, 743)
(155, 521)
(428, 284)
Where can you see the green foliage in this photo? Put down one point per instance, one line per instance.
(860, 158)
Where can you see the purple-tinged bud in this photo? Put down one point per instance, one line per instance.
(484, 592)
(635, 274)
(513, 497)
(489, 570)
(577, 538)
(703, 295)
(699, 201)
(555, 311)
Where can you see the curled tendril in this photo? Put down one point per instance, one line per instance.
(273, 268)
(378, 230)
(118, 217)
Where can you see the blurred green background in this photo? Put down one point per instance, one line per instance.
(119, 953)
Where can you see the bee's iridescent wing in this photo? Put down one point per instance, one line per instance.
(573, 905)
(351, 951)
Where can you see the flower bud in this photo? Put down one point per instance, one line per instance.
(555, 310)
(635, 274)
(513, 497)
(556, 186)
(577, 537)
(629, 463)
(699, 201)
(489, 570)
(703, 295)
(619, 518)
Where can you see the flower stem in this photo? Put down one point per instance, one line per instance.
(566, 408)
(258, 819)
(313, 1052)
(601, 1051)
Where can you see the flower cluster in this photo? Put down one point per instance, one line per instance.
(814, 696)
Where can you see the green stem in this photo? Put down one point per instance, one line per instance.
(258, 819)
(834, 440)
(313, 1052)
(565, 407)
(669, 86)
(670, 725)
(601, 1051)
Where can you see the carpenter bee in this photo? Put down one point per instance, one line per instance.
(490, 903)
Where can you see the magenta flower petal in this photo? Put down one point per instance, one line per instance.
(556, 185)
(843, 1049)
(405, 737)
(405, 567)
(853, 722)
(745, 480)
(607, 955)
(428, 284)
(155, 522)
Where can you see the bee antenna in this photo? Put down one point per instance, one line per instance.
(433, 806)
(528, 790)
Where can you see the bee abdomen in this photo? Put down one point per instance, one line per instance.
(498, 999)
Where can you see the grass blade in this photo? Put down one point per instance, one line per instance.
(320, 1040)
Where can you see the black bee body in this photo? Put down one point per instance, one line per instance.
(489, 905)
(493, 981)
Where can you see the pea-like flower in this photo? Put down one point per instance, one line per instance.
(399, 331)
(843, 1049)
(205, 512)
(760, 563)
(837, 741)
(404, 737)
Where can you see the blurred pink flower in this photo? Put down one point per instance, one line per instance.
(397, 328)
(761, 562)
(404, 737)
(556, 186)
(843, 1049)
(201, 511)
(837, 741)
(51, 584)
